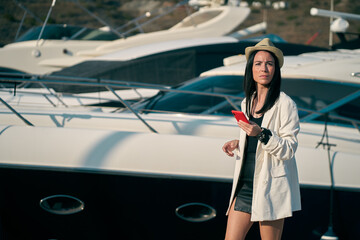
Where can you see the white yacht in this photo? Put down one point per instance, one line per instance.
(41, 56)
(170, 62)
(156, 169)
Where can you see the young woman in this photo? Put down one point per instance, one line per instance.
(265, 185)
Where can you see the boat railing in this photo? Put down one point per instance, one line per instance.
(138, 25)
(16, 113)
(45, 22)
(17, 80)
(26, 11)
(148, 15)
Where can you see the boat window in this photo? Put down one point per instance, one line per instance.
(50, 32)
(193, 103)
(65, 32)
(96, 34)
(198, 18)
(329, 97)
(340, 100)
(350, 110)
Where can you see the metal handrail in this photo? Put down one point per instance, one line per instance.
(131, 109)
(45, 22)
(98, 18)
(115, 30)
(95, 82)
(47, 95)
(354, 122)
(110, 84)
(16, 113)
(26, 11)
(107, 84)
(139, 26)
(332, 106)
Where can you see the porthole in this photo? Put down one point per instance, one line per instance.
(62, 204)
(195, 212)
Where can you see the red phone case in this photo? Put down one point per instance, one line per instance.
(239, 116)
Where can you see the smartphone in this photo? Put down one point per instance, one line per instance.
(239, 116)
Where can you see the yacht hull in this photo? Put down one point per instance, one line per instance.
(130, 206)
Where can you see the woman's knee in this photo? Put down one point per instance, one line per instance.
(271, 230)
(238, 225)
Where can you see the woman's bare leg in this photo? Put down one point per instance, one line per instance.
(238, 224)
(271, 230)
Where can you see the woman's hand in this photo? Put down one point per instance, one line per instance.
(251, 129)
(230, 146)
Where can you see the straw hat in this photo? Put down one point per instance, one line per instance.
(267, 45)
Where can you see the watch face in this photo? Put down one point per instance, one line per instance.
(261, 136)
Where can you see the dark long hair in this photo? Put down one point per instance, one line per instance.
(250, 85)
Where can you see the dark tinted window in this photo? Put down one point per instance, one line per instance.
(64, 32)
(340, 100)
(191, 103)
(95, 34)
(50, 32)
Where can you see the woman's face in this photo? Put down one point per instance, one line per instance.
(263, 68)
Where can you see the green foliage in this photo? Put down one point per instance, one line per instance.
(294, 5)
(356, 8)
(30, 22)
(291, 17)
(280, 23)
(52, 21)
(9, 17)
(116, 15)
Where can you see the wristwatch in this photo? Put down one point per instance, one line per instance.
(264, 135)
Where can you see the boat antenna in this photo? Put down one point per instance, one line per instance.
(46, 20)
(329, 235)
(97, 18)
(26, 11)
(331, 38)
(340, 16)
(149, 14)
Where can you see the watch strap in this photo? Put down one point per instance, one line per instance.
(264, 135)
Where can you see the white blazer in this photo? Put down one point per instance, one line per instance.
(276, 191)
